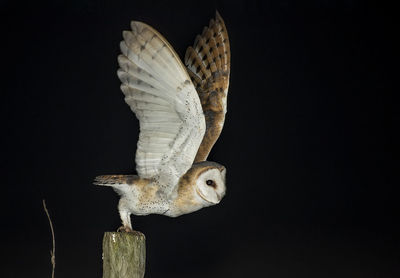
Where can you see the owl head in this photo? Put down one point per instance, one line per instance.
(210, 184)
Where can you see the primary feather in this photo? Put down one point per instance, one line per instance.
(160, 93)
(208, 63)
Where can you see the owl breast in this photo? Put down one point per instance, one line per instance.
(145, 198)
(149, 200)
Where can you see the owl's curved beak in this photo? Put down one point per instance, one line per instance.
(207, 200)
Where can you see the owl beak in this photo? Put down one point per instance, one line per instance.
(205, 199)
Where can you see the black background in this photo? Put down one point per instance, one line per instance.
(307, 140)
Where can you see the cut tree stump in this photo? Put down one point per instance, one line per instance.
(124, 255)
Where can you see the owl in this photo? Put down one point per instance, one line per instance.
(181, 111)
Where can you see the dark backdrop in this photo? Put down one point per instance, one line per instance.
(307, 140)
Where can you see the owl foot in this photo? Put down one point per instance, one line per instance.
(124, 229)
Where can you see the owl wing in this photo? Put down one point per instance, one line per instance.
(208, 63)
(159, 91)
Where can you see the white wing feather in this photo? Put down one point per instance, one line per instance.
(159, 91)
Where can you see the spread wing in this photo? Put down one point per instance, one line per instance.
(208, 63)
(159, 91)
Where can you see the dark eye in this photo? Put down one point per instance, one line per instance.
(210, 183)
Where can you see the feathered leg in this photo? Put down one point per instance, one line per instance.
(125, 217)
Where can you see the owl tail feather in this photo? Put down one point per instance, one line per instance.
(114, 180)
(120, 183)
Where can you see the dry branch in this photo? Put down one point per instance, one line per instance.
(53, 251)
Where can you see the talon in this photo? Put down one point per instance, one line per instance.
(124, 229)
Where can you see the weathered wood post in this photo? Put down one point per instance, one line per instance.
(124, 255)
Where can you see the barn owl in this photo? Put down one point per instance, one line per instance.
(181, 111)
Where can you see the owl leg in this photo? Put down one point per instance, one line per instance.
(125, 217)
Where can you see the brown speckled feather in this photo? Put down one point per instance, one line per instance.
(208, 63)
(111, 180)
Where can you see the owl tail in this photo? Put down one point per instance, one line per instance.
(120, 183)
(114, 180)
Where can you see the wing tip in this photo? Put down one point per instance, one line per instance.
(139, 26)
(218, 17)
(134, 24)
(125, 33)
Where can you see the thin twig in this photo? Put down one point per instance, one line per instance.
(52, 252)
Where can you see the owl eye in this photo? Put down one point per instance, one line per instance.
(210, 183)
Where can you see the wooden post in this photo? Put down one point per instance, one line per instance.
(124, 255)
